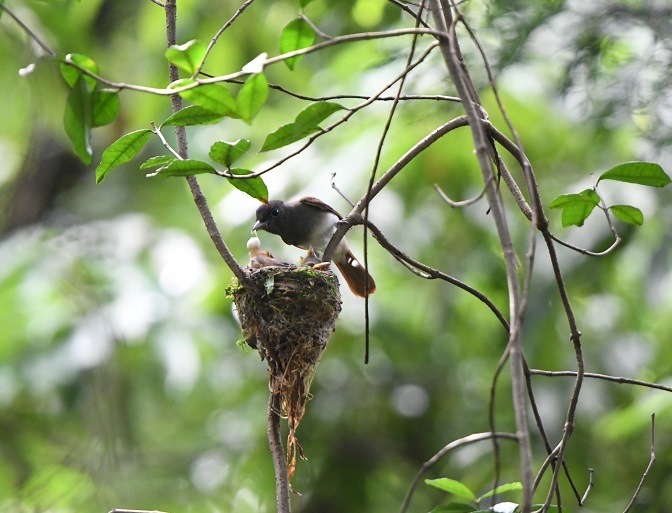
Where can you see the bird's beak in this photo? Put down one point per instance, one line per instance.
(259, 225)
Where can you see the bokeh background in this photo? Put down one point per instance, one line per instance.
(121, 383)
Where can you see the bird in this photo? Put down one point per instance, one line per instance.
(311, 222)
(260, 258)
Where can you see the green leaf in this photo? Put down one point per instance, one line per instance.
(642, 173)
(455, 507)
(508, 487)
(186, 168)
(452, 486)
(576, 207)
(121, 151)
(303, 3)
(282, 137)
(193, 115)
(72, 74)
(105, 105)
(296, 35)
(77, 120)
(308, 119)
(252, 96)
(254, 187)
(212, 97)
(628, 214)
(226, 153)
(158, 161)
(187, 56)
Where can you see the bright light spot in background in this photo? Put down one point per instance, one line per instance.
(410, 400)
(209, 471)
(91, 343)
(179, 262)
(368, 13)
(180, 358)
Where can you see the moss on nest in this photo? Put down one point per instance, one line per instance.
(288, 315)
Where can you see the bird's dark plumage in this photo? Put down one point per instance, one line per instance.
(311, 222)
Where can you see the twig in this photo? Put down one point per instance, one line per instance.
(458, 204)
(278, 455)
(476, 437)
(182, 149)
(355, 216)
(431, 273)
(157, 2)
(584, 498)
(349, 38)
(213, 41)
(450, 49)
(605, 377)
(652, 458)
(24, 27)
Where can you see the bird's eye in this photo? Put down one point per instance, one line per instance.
(275, 212)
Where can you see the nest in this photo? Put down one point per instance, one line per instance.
(288, 316)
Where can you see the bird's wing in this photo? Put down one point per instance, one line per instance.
(310, 201)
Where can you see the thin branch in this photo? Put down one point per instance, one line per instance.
(452, 55)
(355, 216)
(159, 3)
(432, 273)
(605, 377)
(476, 437)
(278, 455)
(24, 27)
(652, 458)
(213, 41)
(345, 118)
(584, 498)
(349, 38)
(459, 204)
(182, 149)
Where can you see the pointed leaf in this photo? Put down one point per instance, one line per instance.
(642, 173)
(212, 97)
(628, 214)
(226, 153)
(187, 56)
(508, 487)
(159, 161)
(452, 486)
(576, 207)
(303, 3)
(185, 168)
(308, 119)
(77, 120)
(251, 97)
(282, 137)
(105, 105)
(72, 74)
(193, 115)
(254, 187)
(121, 151)
(296, 35)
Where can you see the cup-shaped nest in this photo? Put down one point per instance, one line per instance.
(288, 315)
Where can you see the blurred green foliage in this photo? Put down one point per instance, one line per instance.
(121, 384)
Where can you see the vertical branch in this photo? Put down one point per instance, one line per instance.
(182, 149)
(471, 103)
(278, 455)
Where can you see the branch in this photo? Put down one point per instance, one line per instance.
(355, 216)
(182, 149)
(477, 437)
(25, 28)
(452, 55)
(349, 38)
(652, 458)
(605, 377)
(278, 455)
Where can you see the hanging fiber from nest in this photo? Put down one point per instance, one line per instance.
(288, 315)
